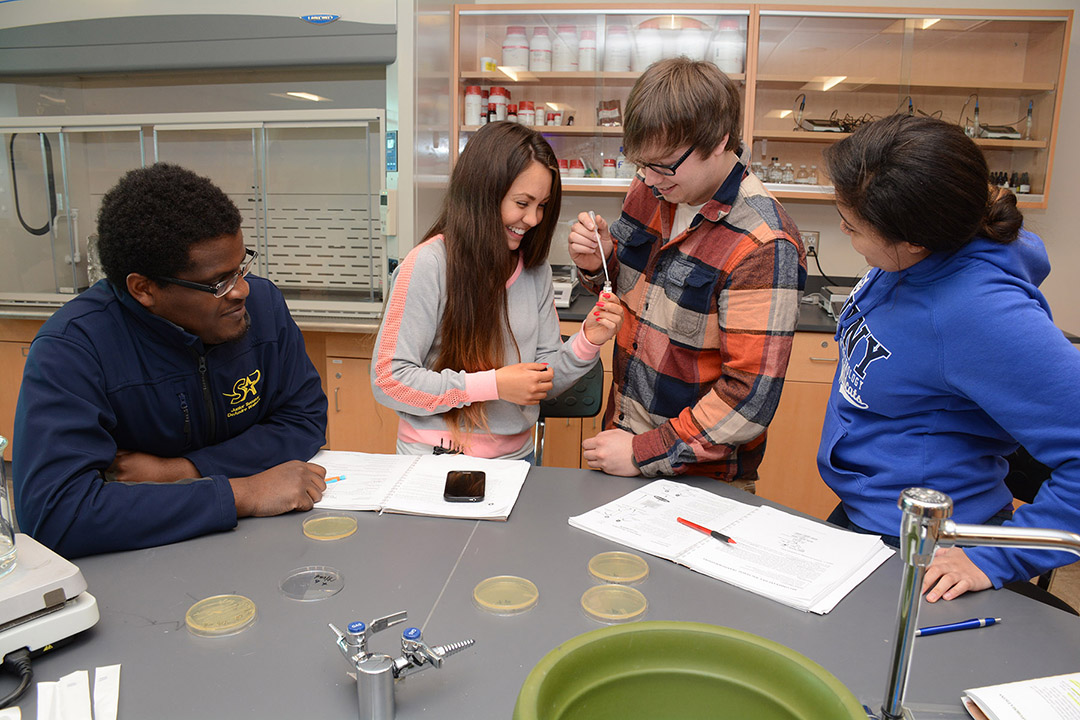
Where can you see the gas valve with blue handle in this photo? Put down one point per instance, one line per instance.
(375, 673)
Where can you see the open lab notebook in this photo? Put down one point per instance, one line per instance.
(802, 563)
(413, 484)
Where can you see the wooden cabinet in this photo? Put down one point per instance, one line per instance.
(803, 71)
(15, 338)
(788, 474)
(355, 421)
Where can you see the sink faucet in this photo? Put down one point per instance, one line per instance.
(925, 526)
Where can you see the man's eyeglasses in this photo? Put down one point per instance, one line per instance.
(668, 170)
(220, 289)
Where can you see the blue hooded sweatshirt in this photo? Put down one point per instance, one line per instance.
(105, 374)
(945, 368)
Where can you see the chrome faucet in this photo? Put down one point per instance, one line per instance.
(376, 673)
(925, 526)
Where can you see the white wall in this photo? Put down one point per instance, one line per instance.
(1055, 224)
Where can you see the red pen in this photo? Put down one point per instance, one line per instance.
(718, 535)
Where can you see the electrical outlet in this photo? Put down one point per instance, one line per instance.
(810, 241)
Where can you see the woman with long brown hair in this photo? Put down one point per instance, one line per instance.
(470, 343)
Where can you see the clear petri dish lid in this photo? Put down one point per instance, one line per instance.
(506, 595)
(622, 568)
(220, 615)
(613, 603)
(329, 526)
(312, 582)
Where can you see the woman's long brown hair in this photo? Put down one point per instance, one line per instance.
(475, 323)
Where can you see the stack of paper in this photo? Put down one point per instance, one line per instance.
(413, 484)
(798, 562)
(1049, 698)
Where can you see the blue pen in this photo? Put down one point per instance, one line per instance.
(962, 625)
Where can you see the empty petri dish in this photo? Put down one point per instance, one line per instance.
(619, 567)
(220, 615)
(313, 582)
(613, 603)
(329, 527)
(506, 595)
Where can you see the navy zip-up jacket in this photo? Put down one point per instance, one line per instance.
(105, 374)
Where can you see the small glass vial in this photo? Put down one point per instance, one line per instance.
(802, 177)
(608, 170)
(776, 173)
(756, 169)
(489, 116)
(515, 47)
(587, 51)
(813, 178)
(472, 105)
(511, 113)
(540, 51)
(577, 168)
(564, 53)
(617, 50)
(526, 113)
(564, 167)
(788, 175)
(1025, 183)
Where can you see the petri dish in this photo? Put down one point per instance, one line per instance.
(622, 568)
(613, 603)
(506, 595)
(329, 527)
(312, 582)
(220, 615)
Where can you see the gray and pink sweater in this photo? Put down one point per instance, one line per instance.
(408, 344)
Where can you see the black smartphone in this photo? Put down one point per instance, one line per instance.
(464, 486)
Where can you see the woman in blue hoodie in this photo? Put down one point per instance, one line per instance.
(949, 358)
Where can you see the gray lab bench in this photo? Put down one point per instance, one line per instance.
(286, 664)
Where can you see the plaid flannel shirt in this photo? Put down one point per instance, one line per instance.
(701, 356)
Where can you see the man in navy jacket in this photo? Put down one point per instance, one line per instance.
(173, 397)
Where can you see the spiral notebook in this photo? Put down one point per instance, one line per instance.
(413, 484)
(799, 562)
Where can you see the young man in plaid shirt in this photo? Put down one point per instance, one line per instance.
(711, 270)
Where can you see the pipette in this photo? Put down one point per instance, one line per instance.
(603, 260)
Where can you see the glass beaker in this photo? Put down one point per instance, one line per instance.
(7, 525)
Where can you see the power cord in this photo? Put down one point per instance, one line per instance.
(813, 253)
(17, 662)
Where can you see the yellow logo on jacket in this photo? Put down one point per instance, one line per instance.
(244, 395)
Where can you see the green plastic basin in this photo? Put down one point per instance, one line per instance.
(656, 670)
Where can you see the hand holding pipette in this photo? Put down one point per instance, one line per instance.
(590, 243)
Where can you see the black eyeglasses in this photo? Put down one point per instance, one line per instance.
(220, 289)
(668, 170)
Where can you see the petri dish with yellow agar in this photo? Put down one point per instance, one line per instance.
(506, 595)
(621, 568)
(613, 603)
(220, 615)
(329, 527)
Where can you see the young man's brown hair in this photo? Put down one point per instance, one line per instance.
(681, 102)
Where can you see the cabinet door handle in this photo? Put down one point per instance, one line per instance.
(822, 360)
(336, 408)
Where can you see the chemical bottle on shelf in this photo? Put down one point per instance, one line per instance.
(515, 47)
(691, 41)
(1014, 180)
(1025, 183)
(587, 51)
(728, 48)
(472, 105)
(564, 52)
(648, 48)
(776, 173)
(788, 175)
(802, 177)
(617, 50)
(623, 168)
(812, 179)
(540, 51)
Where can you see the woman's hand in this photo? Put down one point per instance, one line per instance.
(583, 250)
(604, 320)
(524, 383)
(952, 574)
